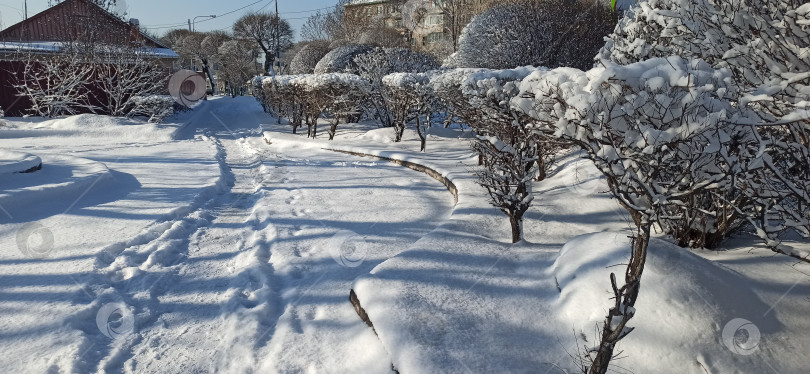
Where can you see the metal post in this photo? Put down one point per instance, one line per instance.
(278, 37)
(189, 24)
(194, 21)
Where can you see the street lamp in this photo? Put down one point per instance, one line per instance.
(193, 28)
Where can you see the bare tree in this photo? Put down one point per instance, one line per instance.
(56, 84)
(123, 73)
(238, 59)
(268, 31)
(192, 45)
(329, 25)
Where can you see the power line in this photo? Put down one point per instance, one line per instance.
(218, 15)
(166, 26)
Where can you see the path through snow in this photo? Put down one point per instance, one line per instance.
(254, 277)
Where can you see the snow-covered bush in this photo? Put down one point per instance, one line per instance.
(447, 87)
(155, 107)
(104, 79)
(664, 132)
(411, 98)
(548, 33)
(512, 150)
(379, 62)
(258, 92)
(307, 97)
(335, 96)
(288, 100)
(764, 45)
(308, 57)
(341, 59)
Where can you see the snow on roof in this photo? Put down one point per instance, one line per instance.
(365, 2)
(55, 47)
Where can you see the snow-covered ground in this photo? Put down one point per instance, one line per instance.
(196, 246)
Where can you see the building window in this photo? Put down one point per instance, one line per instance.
(434, 19)
(435, 37)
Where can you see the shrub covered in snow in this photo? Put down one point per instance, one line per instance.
(258, 92)
(411, 98)
(308, 57)
(341, 59)
(307, 97)
(763, 43)
(512, 151)
(548, 33)
(447, 86)
(155, 107)
(665, 132)
(335, 96)
(287, 100)
(764, 46)
(379, 62)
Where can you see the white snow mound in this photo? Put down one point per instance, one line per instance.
(17, 162)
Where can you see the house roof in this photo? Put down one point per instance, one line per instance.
(365, 2)
(46, 47)
(64, 21)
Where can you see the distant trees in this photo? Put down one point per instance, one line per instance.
(547, 33)
(268, 31)
(191, 45)
(329, 25)
(238, 60)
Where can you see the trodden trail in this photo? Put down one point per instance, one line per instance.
(257, 277)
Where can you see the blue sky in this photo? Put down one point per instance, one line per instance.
(159, 14)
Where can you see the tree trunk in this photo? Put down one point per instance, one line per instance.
(541, 169)
(210, 75)
(625, 297)
(333, 128)
(517, 228)
(422, 136)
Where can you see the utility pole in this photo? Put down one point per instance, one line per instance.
(278, 20)
(26, 9)
(189, 24)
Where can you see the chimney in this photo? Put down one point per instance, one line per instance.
(134, 22)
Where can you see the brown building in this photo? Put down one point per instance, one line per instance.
(71, 23)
